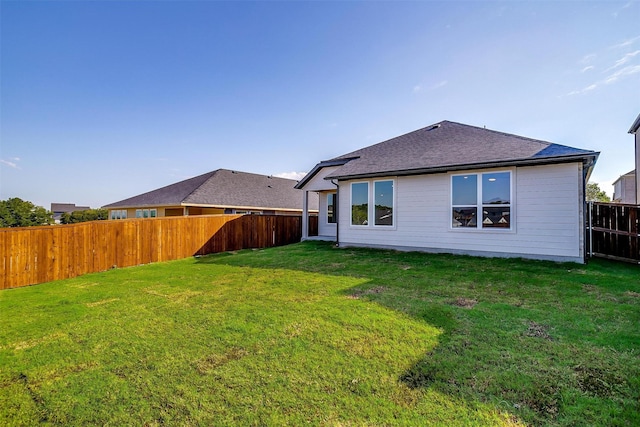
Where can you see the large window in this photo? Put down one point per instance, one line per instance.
(146, 213)
(119, 214)
(360, 203)
(372, 199)
(481, 200)
(383, 202)
(331, 208)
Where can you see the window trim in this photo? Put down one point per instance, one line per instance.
(393, 204)
(351, 224)
(371, 225)
(150, 213)
(335, 205)
(480, 206)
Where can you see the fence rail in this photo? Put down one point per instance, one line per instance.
(614, 231)
(34, 255)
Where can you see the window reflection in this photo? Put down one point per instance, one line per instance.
(496, 188)
(465, 217)
(496, 217)
(383, 201)
(360, 203)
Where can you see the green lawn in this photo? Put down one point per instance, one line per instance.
(311, 334)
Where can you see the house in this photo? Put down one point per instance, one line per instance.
(635, 130)
(624, 188)
(455, 188)
(60, 208)
(217, 192)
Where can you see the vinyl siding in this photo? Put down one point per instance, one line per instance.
(546, 217)
(318, 183)
(324, 228)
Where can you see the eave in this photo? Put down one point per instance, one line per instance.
(588, 160)
(635, 126)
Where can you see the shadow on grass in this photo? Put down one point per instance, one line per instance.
(498, 342)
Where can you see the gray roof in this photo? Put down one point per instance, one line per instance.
(224, 188)
(67, 207)
(447, 146)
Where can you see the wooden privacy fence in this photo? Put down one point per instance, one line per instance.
(34, 255)
(614, 231)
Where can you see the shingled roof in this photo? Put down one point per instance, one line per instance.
(223, 188)
(448, 146)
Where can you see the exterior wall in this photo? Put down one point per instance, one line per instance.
(161, 211)
(624, 190)
(547, 217)
(318, 183)
(324, 228)
(205, 211)
(197, 210)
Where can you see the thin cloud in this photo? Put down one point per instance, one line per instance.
(439, 85)
(11, 164)
(613, 78)
(626, 71)
(419, 87)
(585, 90)
(628, 57)
(625, 43)
(588, 58)
(587, 68)
(626, 6)
(291, 175)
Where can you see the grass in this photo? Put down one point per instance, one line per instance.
(311, 334)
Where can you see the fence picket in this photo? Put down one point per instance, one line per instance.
(615, 232)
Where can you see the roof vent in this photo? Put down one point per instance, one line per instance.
(434, 127)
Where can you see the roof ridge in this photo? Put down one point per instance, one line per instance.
(505, 133)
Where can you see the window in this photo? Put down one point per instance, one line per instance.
(146, 213)
(485, 193)
(119, 214)
(381, 199)
(331, 208)
(383, 202)
(360, 203)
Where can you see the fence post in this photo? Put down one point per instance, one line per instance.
(590, 229)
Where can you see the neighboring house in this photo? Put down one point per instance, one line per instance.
(635, 130)
(59, 208)
(456, 188)
(217, 192)
(624, 188)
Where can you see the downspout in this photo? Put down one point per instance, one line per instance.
(337, 209)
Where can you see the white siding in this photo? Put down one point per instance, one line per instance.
(546, 217)
(324, 228)
(318, 183)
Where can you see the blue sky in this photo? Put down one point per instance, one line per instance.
(103, 100)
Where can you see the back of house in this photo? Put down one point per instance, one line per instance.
(456, 188)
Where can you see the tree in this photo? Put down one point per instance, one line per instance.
(83, 216)
(16, 212)
(595, 194)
